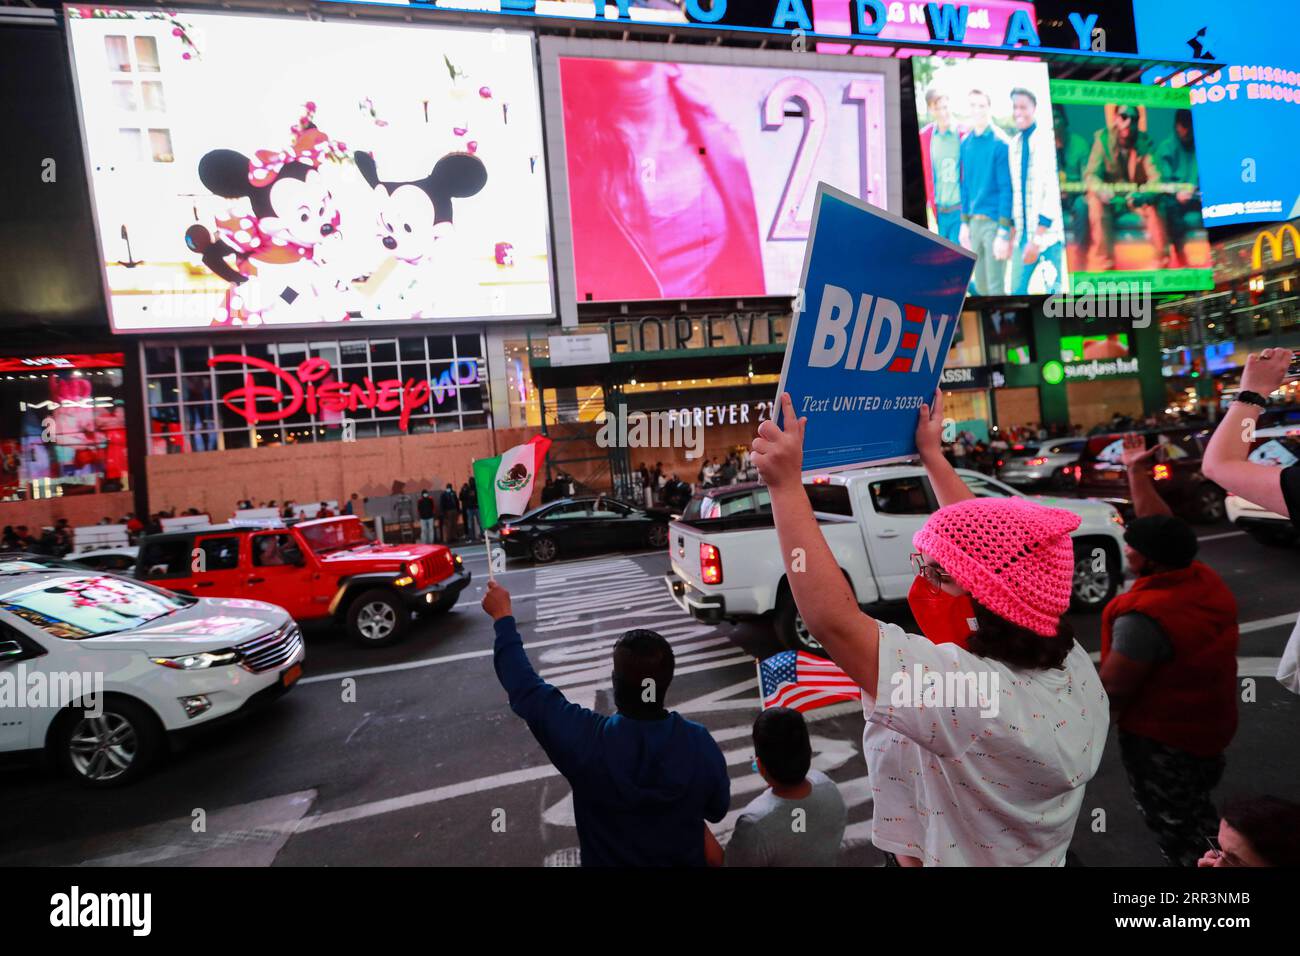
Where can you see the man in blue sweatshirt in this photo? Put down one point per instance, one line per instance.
(644, 780)
(986, 198)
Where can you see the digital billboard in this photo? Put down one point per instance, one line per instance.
(1130, 186)
(696, 179)
(1247, 114)
(62, 425)
(1085, 348)
(255, 170)
(989, 165)
(1008, 335)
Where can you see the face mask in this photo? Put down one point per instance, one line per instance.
(944, 618)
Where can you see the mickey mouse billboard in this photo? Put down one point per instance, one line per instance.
(257, 171)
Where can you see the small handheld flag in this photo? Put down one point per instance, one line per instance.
(505, 483)
(803, 681)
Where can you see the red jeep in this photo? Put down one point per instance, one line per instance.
(322, 569)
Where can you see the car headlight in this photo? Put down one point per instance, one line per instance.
(197, 662)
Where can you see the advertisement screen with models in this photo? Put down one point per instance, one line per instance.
(690, 180)
(254, 170)
(1130, 185)
(988, 158)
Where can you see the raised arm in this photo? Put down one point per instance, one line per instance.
(947, 484)
(1137, 462)
(820, 591)
(564, 729)
(1225, 461)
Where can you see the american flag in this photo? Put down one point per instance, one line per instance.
(803, 681)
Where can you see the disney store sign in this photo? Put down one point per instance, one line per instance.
(315, 388)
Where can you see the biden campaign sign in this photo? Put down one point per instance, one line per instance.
(879, 303)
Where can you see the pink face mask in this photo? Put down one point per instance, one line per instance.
(944, 618)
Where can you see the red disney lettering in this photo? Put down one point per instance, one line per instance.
(251, 393)
(310, 389)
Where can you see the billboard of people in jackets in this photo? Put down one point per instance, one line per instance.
(1130, 186)
(988, 155)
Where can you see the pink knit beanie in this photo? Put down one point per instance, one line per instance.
(1012, 555)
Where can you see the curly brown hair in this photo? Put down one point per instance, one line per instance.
(1000, 640)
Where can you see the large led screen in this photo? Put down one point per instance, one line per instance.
(694, 180)
(1130, 188)
(252, 171)
(1248, 113)
(989, 163)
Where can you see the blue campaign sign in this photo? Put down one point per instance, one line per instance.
(879, 303)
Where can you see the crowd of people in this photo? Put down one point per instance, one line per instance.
(662, 487)
(968, 450)
(995, 780)
(449, 517)
(58, 540)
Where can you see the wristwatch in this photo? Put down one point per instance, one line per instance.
(1251, 398)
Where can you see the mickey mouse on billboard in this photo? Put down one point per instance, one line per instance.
(293, 224)
(281, 240)
(413, 217)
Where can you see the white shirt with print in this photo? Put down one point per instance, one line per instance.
(963, 786)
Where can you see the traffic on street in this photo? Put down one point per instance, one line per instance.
(403, 756)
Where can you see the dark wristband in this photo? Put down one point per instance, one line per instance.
(1251, 398)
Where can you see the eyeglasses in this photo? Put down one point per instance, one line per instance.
(934, 575)
(1226, 858)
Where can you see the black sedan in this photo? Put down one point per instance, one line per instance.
(572, 526)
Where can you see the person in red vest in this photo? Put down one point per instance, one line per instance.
(1169, 666)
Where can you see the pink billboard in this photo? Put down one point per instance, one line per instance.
(695, 180)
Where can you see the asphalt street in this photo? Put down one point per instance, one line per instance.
(408, 755)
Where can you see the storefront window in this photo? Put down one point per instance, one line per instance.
(1008, 336)
(966, 348)
(522, 397)
(969, 409)
(221, 396)
(62, 426)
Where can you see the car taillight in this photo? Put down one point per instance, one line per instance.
(821, 479)
(710, 564)
(1160, 472)
(1038, 461)
(1078, 472)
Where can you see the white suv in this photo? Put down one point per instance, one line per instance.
(1279, 447)
(99, 670)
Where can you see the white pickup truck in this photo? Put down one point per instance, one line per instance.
(729, 567)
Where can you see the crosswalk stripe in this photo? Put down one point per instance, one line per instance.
(642, 613)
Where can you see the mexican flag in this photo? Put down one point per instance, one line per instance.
(505, 483)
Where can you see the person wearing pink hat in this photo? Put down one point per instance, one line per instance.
(981, 734)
